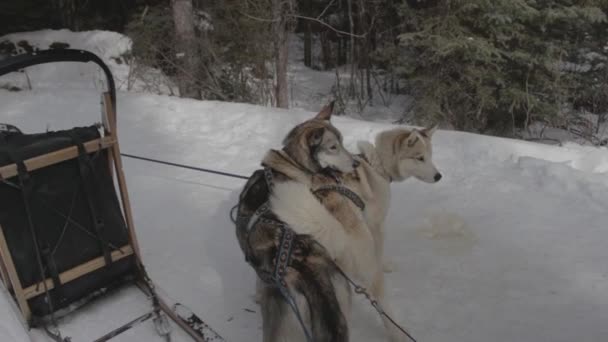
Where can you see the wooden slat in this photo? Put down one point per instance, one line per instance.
(77, 272)
(108, 130)
(4, 274)
(120, 175)
(6, 257)
(56, 157)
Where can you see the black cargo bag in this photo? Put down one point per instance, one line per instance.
(60, 217)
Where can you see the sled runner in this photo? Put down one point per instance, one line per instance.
(66, 228)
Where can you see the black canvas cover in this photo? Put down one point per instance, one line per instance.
(74, 211)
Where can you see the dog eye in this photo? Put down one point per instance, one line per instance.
(420, 159)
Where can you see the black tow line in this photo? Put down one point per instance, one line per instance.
(358, 288)
(183, 166)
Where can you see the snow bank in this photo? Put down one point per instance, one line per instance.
(107, 45)
(112, 47)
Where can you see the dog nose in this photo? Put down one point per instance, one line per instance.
(356, 163)
(437, 177)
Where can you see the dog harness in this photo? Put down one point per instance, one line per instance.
(285, 249)
(344, 191)
(286, 241)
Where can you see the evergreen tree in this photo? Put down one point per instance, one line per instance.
(489, 65)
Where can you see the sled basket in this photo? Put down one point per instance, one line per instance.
(62, 231)
(78, 229)
(66, 228)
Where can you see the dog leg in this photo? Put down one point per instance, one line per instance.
(378, 233)
(259, 287)
(377, 292)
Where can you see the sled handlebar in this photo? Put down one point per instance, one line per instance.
(15, 63)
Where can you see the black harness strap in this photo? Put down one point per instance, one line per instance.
(52, 269)
(257, 215)
(283, 257)
(87, 175)
(265, 207)
(344, 191)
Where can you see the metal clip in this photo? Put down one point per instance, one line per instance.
(162, 325)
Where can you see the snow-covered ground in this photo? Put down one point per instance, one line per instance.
(509, 246)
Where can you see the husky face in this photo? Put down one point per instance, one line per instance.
(316, 144)
(406, 153)
(416, 156)
(328, 151)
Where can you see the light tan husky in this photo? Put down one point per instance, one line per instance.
(398, 154)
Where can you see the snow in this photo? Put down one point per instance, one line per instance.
(311, 89)
(112, 47)
(10, 326)
(509, 245)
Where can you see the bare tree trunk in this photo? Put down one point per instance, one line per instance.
(67, 11)
(365, 51)
(370, 92)
(326, 51)
(186, 49)
(351, 86)
(342, 59)
(308, 45)
(308, 36)
(281, 48)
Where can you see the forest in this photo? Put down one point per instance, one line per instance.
(487, 66)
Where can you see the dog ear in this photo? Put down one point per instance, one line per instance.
(406, 140)
(429, 131)
(325, 113)
(315, 136)
(412, 139)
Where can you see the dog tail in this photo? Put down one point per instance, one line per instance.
(326, 317)
(318, 304)
(295, 205)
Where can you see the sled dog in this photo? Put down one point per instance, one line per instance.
(397, 155)
(312, 156)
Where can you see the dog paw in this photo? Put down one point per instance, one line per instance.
(388, 267)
